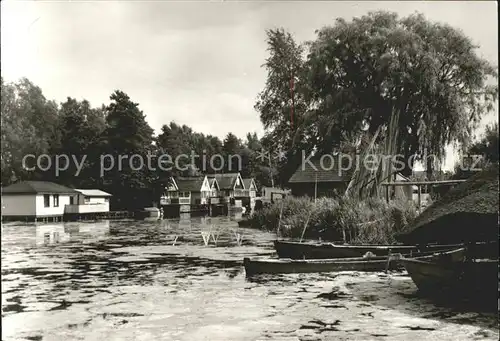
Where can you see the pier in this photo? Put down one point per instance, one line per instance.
(111, 215)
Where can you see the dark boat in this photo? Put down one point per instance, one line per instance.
(470, 280)
(148, 213)
(297, 250)
(467, 214)
(255, 266)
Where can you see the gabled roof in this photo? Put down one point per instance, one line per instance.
(191, 184)
(93, 193)
(248, 182)
(37, 187)
(212, 182)
(309, 174)
(172, 185)
(401, 177)
(225, 181)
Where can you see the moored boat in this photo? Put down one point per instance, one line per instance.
(148, 213)
(297, 250)
(467, 214)
(474, 280)
(255, 266)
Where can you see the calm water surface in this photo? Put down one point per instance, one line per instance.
(125, 280)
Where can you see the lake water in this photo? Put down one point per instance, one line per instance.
(128, 280)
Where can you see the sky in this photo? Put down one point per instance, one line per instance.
(195, 63)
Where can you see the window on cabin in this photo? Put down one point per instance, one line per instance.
(56, 200)
(71, 200)
(86, 200)
(46, 200)
(106, 199)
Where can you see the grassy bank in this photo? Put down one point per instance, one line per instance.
(369, 221)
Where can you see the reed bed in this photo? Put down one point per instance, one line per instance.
(354, 221)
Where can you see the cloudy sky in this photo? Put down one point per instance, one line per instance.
(197, 63)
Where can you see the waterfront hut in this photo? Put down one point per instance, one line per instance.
(251, 187)
(466, 213)
(88, 201)
(214, 187)
(319, 179)
(189, 191)
(215, 192)
(230, 184)
(34, 200)
(171, 193)
(251, 191)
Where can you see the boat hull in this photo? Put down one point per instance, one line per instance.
(255, 266)
(476, 281)
(296, 250)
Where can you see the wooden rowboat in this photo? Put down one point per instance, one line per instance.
(474, 280)
(296, 250)
(255, 266)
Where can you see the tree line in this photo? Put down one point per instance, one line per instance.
(31, 124)
(330, 94)
(339, 90)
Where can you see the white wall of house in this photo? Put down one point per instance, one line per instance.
(88, 204)
(52, 209)
(86, 200)
(19, 205)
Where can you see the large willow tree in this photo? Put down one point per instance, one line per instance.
(359, 74)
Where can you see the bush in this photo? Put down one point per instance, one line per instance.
(372, 221)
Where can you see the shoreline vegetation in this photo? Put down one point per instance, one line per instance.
(368, 221)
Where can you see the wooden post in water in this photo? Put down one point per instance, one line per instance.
(316, 187)
(419, 198)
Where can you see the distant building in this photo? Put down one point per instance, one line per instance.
(318, 181)
(35, 199)
(187, 191)
(230, 184)
(271, 194)
(251, 190)
(251, 187)
(88, 201)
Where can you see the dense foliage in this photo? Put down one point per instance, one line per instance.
(93, 139)
(354, 221)
(395, 85)
(357, 75)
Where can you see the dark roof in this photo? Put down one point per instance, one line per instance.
(247, 182)
(467, 212)
(192, 184)
(226, 180)
(307, 174)
(36, 187)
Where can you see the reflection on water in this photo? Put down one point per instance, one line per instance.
(126, 280)
(51, 234)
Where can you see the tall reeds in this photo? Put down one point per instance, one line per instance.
(350, 220)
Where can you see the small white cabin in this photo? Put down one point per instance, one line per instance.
(35, 199)
(88, 201)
